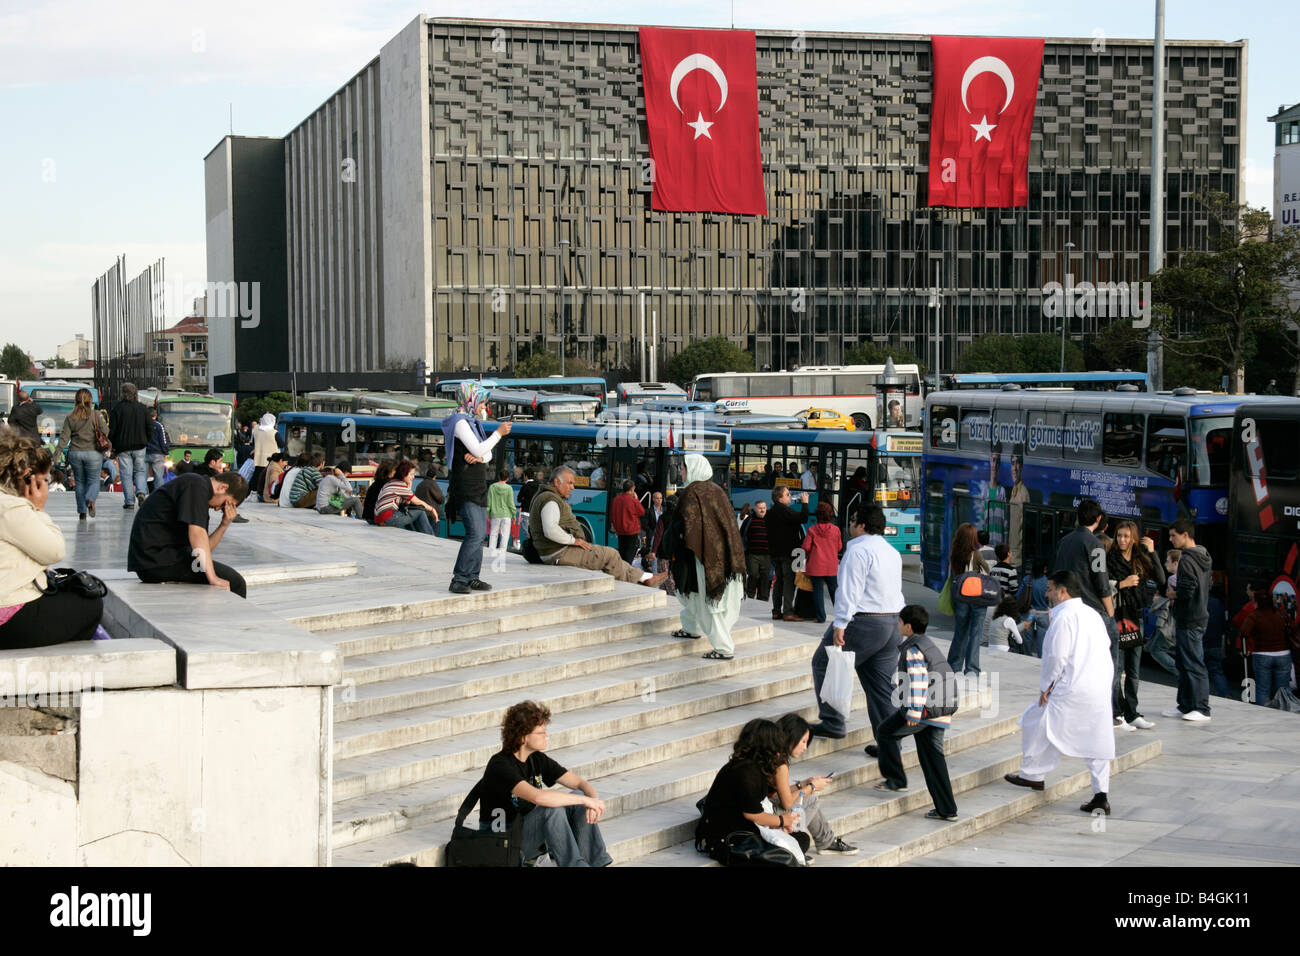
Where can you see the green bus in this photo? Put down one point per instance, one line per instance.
(194, 422)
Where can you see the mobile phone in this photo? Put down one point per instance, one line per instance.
(830, 775)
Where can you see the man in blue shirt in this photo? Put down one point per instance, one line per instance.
(868, 597)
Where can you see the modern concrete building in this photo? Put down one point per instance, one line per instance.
(1286, 165)
(477, 191)
(77, 351)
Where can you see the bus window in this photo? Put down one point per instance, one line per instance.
(1280, 441)
(943, 426)
(1082, 437)
(761, 385)
(1121, 442)
(1166, 445)
(1211, 451)
(723, 388)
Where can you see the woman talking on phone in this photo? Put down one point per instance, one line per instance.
(30, 542)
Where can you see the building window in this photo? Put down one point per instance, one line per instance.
(171, 371)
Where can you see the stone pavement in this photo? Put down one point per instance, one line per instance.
(427, 675)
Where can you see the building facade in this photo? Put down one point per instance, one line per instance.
(481, 189)
(182, 351)
(76, 352)
(1286, 165)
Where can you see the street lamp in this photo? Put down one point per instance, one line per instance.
(564, 325)
(1064, 319)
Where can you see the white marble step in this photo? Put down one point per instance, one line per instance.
(492, 648)
(891, 828)
(769, 669)
(396, 635)
(669, 759)
(514, 677)
(263, 575)
(654, 806)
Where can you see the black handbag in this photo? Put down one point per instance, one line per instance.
(743, 848)
(473, 847)
(81, 583)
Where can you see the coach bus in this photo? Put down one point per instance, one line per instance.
(637, 393)
(587, 386)
(601, 456)
(1016, 464)
(1264, 503)
(194, 422)
(851, 388)
(1078, 381)
(531, 405)
(56, 397)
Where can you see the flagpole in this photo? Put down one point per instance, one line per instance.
(1156, 257)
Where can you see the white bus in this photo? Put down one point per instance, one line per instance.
(637, 393)
(849, 389)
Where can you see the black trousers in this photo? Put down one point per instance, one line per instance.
(929, 749)
(783, 585)
(52, 619)
(758, 582)
(627, 546)
(185, 574)
(874, 642)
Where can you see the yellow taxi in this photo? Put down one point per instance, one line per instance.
(826, 418)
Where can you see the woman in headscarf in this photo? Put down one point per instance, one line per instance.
(468, 452)
(265, 444)
(708, 559)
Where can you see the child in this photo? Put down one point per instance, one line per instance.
(1039, 611)
(1172, 558)
(1004, 571)
(1003, 631)
(644, 560)
(929, 699)
(501, 508)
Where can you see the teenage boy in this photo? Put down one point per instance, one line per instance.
(928, 694)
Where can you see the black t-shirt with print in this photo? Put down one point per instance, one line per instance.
(739, 788)
(160, 536)
(504, 772)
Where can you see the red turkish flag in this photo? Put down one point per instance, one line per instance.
(981, 117)
(701, 105)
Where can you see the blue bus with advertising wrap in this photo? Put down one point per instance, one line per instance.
(1017, 463)
(601, 456)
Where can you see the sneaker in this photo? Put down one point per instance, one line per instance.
(90, 508)
(139, 498)
(936, 815)
(819, 730)
(886, 787)
(839, 846)
(1141, 723)
(477, 585)
(128, 507)
(81, 517)
(459, 587)
(872, 750)
(1123, 725)
(1195, 715)
(1175, 712)
(239, 519)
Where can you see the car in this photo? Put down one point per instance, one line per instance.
(825, 418)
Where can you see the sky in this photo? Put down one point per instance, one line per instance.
(107, 109)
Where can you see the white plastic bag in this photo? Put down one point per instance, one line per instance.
(837, 688)
(778, 837)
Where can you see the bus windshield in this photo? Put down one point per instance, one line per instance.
(1211, 451)
(898, 481)
(194, 425)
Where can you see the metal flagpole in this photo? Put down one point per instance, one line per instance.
(1155, 349)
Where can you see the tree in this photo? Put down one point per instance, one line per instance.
(718, 354)
(993, 353)
(251, 409)
(14, 362)
(1006, 354)
(869, 353)
(1224, 296)
(1120, 346)
(538, 364)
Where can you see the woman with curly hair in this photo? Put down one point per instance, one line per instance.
(735, 801)
(30, 542)
(517, 781)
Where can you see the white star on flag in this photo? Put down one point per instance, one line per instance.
(983, 128)
(700, 126)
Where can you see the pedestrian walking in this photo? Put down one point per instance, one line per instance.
(758, 556)
(469, 450)
(129, 432)
(822, 545)
(968, 627)
(501, 510)
(155, 452)
(784, 535)
(1132, 567)
(78, 440)
(625, 514)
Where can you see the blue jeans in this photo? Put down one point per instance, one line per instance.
(134, 474)
(469, 560)
(85, 467)
(1271, 675)
(819, 600)
(1218, 678)
(565, 831)
(1040, 621)
(417, 519)
(157, 466)
(964, 652)
(1193, 679)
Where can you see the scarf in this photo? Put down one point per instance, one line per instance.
(266, 422)
(709, 528)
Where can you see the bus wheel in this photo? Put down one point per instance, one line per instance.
(861, 422)
(586, 530)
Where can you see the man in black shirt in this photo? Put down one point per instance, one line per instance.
(784, 534)
(186, 465)
(516, 781)
(170, 540)
(25, 415)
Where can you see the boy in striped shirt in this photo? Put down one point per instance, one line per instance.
(928, 694)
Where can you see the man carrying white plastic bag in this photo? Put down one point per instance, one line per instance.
(868, 598)
(837, 689)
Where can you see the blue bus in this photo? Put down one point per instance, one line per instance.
(703, 414)
(570, 385)
(601, 456)
(1017, 463)
(1079, 381)
(898, 487)
(56, 397)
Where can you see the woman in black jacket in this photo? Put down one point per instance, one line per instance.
(1130, 567)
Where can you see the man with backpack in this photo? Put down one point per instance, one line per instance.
(929, 699)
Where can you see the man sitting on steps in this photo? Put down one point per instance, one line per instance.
(559, 538)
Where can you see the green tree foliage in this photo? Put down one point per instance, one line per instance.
(15, 363)
(1005, 354)
(1120, 346)
(538, 364)
(1221, 299)
(869, 353)
(717, 354)
(251, 409)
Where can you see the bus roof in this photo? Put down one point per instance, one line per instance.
(993, 380)
(812, 369)
(1194, 405)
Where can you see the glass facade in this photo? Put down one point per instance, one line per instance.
(542, 227)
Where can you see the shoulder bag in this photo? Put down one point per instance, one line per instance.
(977, 590)
(478, 848)
(81, 583)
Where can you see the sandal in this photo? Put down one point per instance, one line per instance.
(717, 656)
(685, 634)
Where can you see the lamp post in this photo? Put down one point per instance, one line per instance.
(564, 325)
(1064, 319)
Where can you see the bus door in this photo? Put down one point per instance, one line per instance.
(832, 466)
(1041, 528)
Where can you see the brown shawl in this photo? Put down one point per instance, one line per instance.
(710, 532)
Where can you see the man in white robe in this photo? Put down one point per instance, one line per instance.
(1072, 716)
